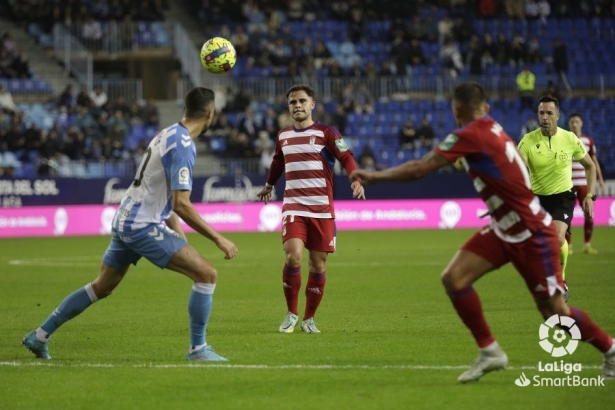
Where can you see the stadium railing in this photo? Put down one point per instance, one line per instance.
(75, 57)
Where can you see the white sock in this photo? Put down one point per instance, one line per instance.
(611, 350)
(195, 348)
(492, 348)
(41, 335)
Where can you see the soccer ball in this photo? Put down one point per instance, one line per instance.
(218, 55)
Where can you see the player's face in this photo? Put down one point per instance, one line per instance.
(209, 116)
(300, 106)
(548, 114)
(575, 125)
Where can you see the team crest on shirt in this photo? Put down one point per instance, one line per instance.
(563, 156)
(341, 145)
(312, 139)
(184, 176)
(449, 142)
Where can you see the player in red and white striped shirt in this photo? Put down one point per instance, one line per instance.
(579, 181)
(306, 154)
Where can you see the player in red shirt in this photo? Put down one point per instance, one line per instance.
(306, 154)
(579, 181)
(520, 230)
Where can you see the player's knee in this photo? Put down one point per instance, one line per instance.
(207, 274)
(293, 259)
(452, 279)
(101, 290)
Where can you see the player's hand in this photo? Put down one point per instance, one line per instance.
(367, 177)
(357, 190)
(228, 247)
(265, 193)
(588, 207)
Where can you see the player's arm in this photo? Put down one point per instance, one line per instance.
(590, 174)
(599, 176)
(275, 172)
(185, 210)
(408, 171)
(522, 148)
(173, 223)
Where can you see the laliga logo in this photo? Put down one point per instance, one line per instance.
(553, 338)
(60, 222)
(450, 214)
(270, 218)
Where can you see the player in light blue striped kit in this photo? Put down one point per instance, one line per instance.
(147, 225)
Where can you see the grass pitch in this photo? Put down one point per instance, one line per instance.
(390, 337)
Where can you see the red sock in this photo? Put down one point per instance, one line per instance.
(291, 283)
(591, 332)
(467, 304)
(313, 293)
(588, 229)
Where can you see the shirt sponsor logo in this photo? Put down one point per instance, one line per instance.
(341, 145)
(449, 142)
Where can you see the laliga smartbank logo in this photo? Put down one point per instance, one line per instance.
(559, 336)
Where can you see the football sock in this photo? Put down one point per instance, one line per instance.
(491, 349)
(467, 304)
(314, 290)
(291, 283)
(199, 308)
(612, 349)
(74, 304)
(563, 254)
(588, 229)
(591, 332)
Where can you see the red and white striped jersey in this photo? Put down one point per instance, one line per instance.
(307, 158)
(578, 172)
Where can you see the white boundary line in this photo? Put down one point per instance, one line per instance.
(257, 366)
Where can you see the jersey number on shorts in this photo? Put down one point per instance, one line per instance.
(141, 170)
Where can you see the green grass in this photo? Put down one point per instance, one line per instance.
(390, 338)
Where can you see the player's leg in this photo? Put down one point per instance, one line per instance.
(321, 241)
(294, 236)
(538, 262)
(168, 250)
(480, 254)
(588, 223)
(116, 261)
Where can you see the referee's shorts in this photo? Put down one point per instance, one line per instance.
(560, 206)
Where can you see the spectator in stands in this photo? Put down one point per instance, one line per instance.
(474, 57)
(83, 98)
(462, 29)
(221, 127)
(416, 55)
(450, 58)
(67, 99)
(322, 56)
(364, 101)
(503, 53)
(8, 161)
(367, 159)
(400, 55)
(84, 119)
(249, 124)
(321, 115)
(431, 29)
(544, 11)
(425, 134)
(356, 26)
(530, 125)
(239, 146)
(371, 72)
(7, 104)
(416, 30)
(534, 51)
(9, 44)
(514, 9)
(489, 50)
(445, 28)
(553, 91)
(240, 40)
(487, 8)
(560, 62)
(118, 124)
(526, 84)
(92, 33)
(518, 50)
(531, 9)
(98, 97)
(340, 119)
(407, 135)
(20, 67)
(347, 54)
(149, 113)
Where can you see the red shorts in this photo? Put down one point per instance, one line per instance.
(537, 259)
(318, 234)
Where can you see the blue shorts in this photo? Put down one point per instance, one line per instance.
(156, 243)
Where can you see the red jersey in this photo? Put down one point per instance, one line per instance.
(578, 172)
(500, 177)
(307, 157)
